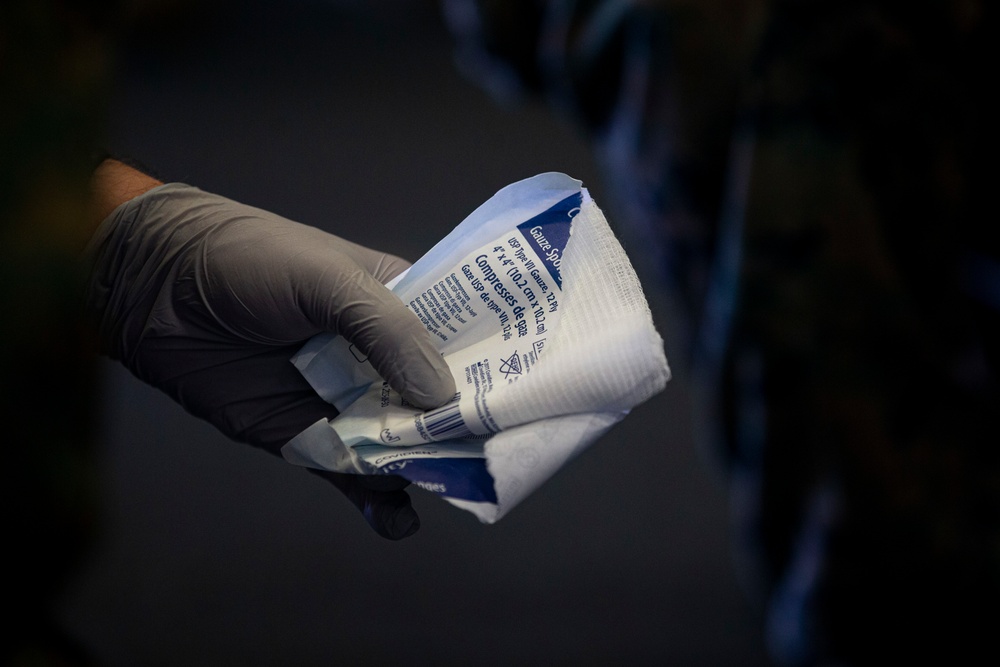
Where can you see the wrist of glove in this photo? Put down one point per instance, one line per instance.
(207, 299)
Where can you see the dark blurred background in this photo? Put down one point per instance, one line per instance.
(800, 186)
(354, 117)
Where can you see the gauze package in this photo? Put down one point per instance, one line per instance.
(542, 321)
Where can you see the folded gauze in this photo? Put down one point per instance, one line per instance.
(542, 320)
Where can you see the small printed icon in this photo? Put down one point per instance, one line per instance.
(538, 346)
(511, 365)
(387, 436)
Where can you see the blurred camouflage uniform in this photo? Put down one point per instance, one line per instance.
(808, 178)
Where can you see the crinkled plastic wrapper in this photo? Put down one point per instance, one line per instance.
(542, 320)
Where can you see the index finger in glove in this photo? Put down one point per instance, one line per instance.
(384, 504)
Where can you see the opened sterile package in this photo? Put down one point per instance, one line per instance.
(537, 311)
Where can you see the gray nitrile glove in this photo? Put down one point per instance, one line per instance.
(207, 299)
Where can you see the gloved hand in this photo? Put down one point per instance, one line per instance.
(207, 299)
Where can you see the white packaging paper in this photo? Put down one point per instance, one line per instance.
(542, 320)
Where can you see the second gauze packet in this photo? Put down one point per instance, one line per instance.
(542, 321)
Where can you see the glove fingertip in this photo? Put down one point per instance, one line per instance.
(393, 522)
(431, 393)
